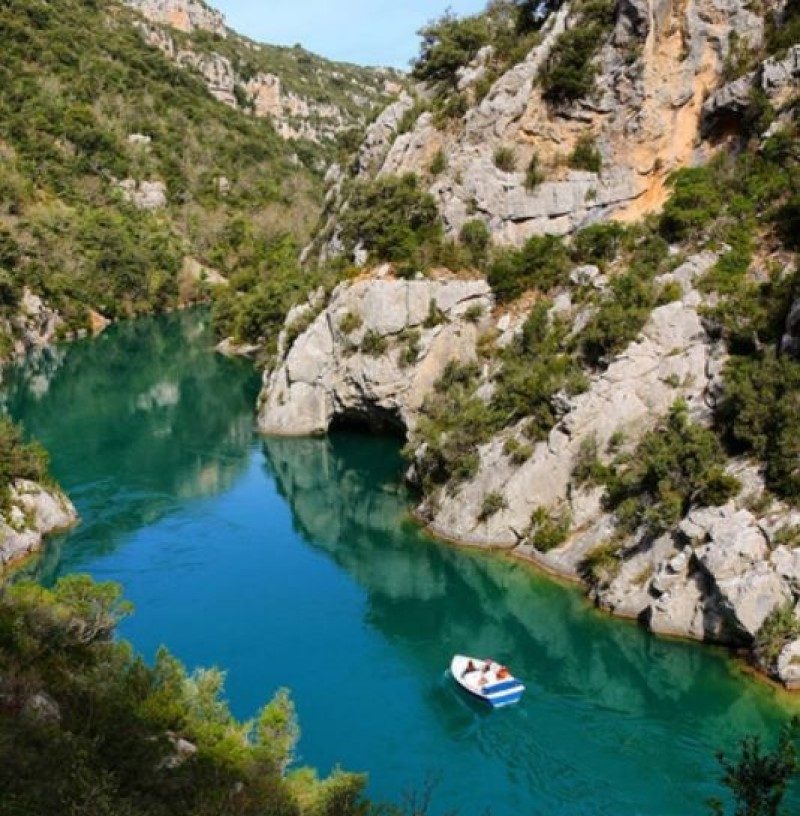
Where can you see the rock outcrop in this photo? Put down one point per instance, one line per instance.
(375, 351)
(372, 354)
(34, 512)
(654, 72)
(183, 15)
(240, 83)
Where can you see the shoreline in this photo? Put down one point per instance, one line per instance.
(737, 656)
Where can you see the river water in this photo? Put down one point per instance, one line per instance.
(295, 563)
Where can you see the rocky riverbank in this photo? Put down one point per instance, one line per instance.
(378, 349)
(34, 512)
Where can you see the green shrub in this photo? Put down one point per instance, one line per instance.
(676, 466)
(534, 175)
(393, 218)
(448, 44)
(492, 504)
(779, 629)
(518, 452)
(585, 155)
(505, 159)
(697, 198)
(548, 530)
(350, 322)
(570, 72)
(374, 344)
(19, 459)
(474, 313)
(542, 264)
(597, 243)
(438, 163)
(411, 340)
(477, 239)
(601, 566)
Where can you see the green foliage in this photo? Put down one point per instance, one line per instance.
(779, 629)
(695, 201)
(474, 313)
(602, 565)
(570, 72)
(535, 368)
(505, 159)
(759, 779)
(518, 452)
(393, 218)
(597, 243)
(350, 322)
(548, 530)
(629, 299)
(438, 163)
(374, 344)
(447, 44)
(534, 175)
(492, 504)
(541, 264)
(18, 459)
(77, 81)
(759, 414)
(674, 467)
(476, 239)
(110, 747)
(585, 155)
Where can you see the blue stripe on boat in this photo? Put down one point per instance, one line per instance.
(506, 684)
(505, 699)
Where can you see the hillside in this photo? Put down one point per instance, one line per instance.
(126, 186)
(578, 302)
(307, 98)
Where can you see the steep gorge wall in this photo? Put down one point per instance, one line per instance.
(655, 71)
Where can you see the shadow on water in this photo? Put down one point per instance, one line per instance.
(138, 421)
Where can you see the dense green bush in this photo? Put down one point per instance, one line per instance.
(505, 159)
(109, 747)
(78, 79)
(541, 264)
(447, 44)
(597, 244)
(393, 218)
(758, 414)
(548, 530)
(780, 628)
(674, 467)
(585, 155)
(18, 459)
(570, 73)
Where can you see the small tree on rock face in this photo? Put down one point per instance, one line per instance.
(757, 779)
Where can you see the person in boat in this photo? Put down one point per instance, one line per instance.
(471, 667)
(503, 673)
(487, 666)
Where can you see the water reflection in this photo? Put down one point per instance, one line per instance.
(430, 599)
(138, 421)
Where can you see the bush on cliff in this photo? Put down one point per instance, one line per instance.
(18, 459)
(676, 466)
(541, 264)
(393, 218)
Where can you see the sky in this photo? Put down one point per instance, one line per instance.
(369, 32)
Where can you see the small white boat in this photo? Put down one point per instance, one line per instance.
(486, 680)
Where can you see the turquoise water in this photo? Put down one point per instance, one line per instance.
(294, 563)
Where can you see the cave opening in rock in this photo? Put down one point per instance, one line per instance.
(373, 420)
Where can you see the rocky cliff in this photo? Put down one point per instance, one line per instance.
(306, 97)
(654, 66)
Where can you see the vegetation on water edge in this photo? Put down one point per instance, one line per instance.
(18, 460)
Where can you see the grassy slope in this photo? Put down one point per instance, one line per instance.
(75, 81)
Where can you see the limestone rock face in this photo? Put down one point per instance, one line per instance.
(669, 360)
(145, 195)
(777, 78)
(653, 75)
(372, 354)
(35, 512)
(34, 326)
(183, 15)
